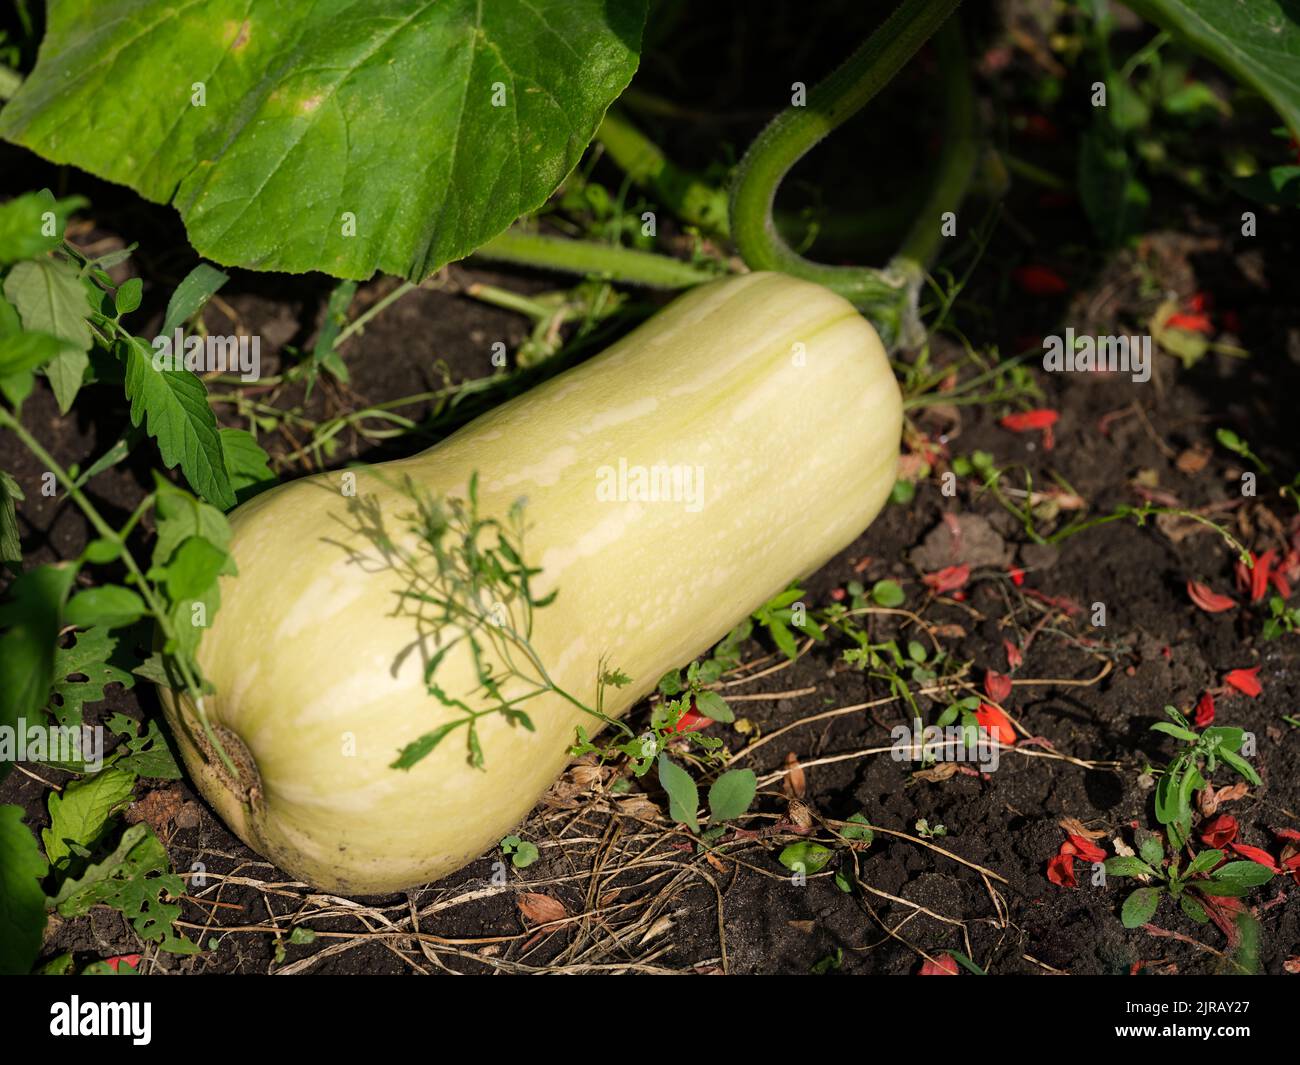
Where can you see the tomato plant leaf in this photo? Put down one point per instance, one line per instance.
(51, 298)
(79, 815)
(173, 405)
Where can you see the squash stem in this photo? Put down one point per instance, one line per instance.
(690, 198)
(885, 295)
(586, 257)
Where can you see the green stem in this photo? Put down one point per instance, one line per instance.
(691, 199)
(602, 260)
(359, 322)
(106, 531)
(795, 131)
(958, 156)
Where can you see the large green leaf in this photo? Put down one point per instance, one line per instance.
(1257, 41)
(22, 902)
(434, 124)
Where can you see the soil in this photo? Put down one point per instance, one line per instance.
(644, 899)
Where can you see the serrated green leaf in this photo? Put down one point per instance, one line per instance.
(193, 570)
(103, 659)
(110, 606)
(80, 814)
(149, 755)
(22, 902)
(246, 463)
(27, 231)
(133, 880)
(432, 125)
(173, 405)
(51, 298)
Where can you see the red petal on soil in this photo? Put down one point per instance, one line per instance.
(1219, 832)
(997, 686)
(132, 961)
(1209, 601)
(1224, 912)
(1060, 870)
(943, 965)
(1255, 854)
(1279, 582)
(1088, 850)
(1192, 323)
(1039, 280)
(948, 579)
(1026, 420)
(1256, 577)
(997, 723)
(1245, 681)
(1204, 711)
(1200, 302)
(1017, 575)
(1014, 658)
(1287, 833)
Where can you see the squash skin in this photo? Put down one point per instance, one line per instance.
(799, 449)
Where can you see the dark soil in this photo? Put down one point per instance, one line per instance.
(1117, 443)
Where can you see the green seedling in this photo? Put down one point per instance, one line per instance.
(1187, 773)
(1206, 875)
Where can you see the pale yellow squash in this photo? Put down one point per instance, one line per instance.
(776, 398)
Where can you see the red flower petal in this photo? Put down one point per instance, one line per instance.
(1014, 656)
(1088, 850)
(1204, 711)
(1026, 420)
(1256, 578)
(1192, 323)
(1287, 833)
(1060, 870)
(943, 965)
(1017, 575)
(997, 686)
(1255, 854)
(1219, 832)
(1039, 280)
(1245, 681)
(996, 723)
(1209, 601)
(948, 579)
